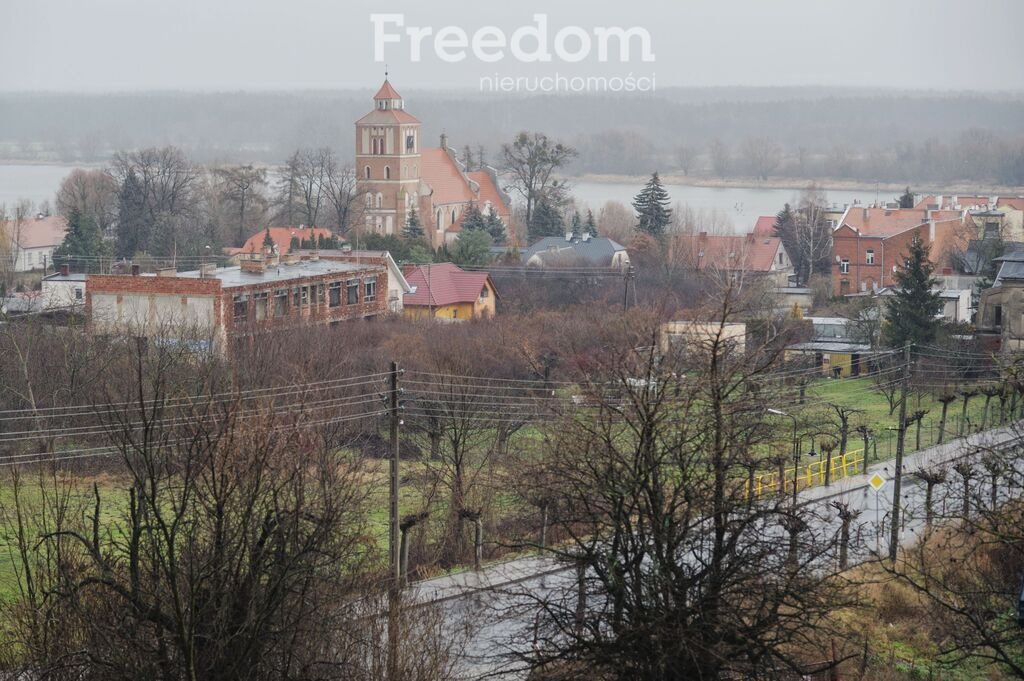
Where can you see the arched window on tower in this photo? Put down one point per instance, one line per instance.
(366, 172)
(453, 216)
(387, 172)
(380, 200)
(369, 200)
(439, 219)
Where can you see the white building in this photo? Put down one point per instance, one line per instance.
(30, 242)
(64, 290)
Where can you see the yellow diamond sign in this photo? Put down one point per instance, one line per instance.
(876, 482)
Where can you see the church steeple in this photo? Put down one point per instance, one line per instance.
(387, 97)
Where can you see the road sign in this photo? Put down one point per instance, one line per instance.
(876, 482)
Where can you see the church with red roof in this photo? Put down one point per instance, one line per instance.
(395, 174)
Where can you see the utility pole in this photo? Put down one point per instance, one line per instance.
(628, 278)
(395, 581)
(901, 436)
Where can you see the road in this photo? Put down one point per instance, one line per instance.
(488, 600)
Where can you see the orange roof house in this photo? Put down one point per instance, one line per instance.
(750, 254)
(446, 291)
(282, 238)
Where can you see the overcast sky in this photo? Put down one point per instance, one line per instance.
(117, 45)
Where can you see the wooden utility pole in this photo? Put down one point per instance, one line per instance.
(901, 436)
(395, 585)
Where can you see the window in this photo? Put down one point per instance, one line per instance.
(334, 293)
(297, 297)
(483, 293)
(319, 294)
(305, 295)
(241, 307)
(869, 257)
(387, 172)
(366, 174)
(280, 302)
(780, 257)
(370, 290)
(78, 293)
(998, 316)
(991, 230)
(844, 266)
(352, 292)
(261, 305)
(380, 200)
(410, 142)
(369, 200)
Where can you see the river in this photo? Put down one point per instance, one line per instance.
(741, 205)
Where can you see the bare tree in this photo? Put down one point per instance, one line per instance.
(92, 193)
(243, 186)
(763, 155)
(530, 161)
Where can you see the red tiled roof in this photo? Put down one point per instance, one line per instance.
(438, 169)
(765, 226)
(489, 192)
(387, 91)
(282, 236)
(387, 117)
(750, 252)
(883, 222)
(948, 202)
(444, 284)
(35, 232)
(1015, 202)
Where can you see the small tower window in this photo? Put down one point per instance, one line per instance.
(387, 172)
(366, 172)
(380, 200)
(410, 142)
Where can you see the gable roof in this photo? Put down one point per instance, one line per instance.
(765, 226)
(886, 222)
(1015, 202)
(444, 284)
(439, 170)
(281, 236)
(731, 252)
(489, 192)
(598, 251)
(36, 232)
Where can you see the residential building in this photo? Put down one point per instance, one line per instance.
(445, 291)
(283, 239)
(64, 290)
(395, 173)
(221, 304)
(398, 286)
(836, 347)
(1001, 308)
(869, 244)
(576, 250)
(29, 243)
(749, 254)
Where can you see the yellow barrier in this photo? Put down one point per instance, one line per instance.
(843, 465)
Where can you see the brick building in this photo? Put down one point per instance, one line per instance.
(870, 243)
(394, 173)
(216, 305)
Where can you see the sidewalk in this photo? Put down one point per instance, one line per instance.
(506, 573)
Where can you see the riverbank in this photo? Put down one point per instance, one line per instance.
(784, 183)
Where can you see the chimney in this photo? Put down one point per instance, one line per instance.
(253, 265)
(136, 270)
(207, 270)
(703, 235)
(65, 270)
(931, 230)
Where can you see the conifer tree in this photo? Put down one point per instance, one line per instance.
(495, 227)
(83, 240)
(906, 199)
(545, 221)
(473, 219)
(651, 206)
(591, 224)
(267, 241)
(413, 227)
(911, 316)
(577, 224)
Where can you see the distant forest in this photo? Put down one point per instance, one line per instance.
(864, 135)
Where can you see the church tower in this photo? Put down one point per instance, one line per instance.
(388, 162)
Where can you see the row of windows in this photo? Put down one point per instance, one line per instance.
(378, 142)
(368, 175)
(869, 259)
(303, 296)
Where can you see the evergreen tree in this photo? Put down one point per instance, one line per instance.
(590, 225)
(83, 240)
(413, 227)
(546, 221)
(474, 220)
(577, 223)
(133, 228)
(911, 314)
(472, 249)
(267, 241)
(495, 227)
(651, 206)
(906, 199)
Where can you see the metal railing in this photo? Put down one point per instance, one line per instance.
(807, 475)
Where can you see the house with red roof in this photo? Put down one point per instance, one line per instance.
(28, 243)
(284, 239)
(447, 292)
(870, 243)
(395, 174)
(749, 254)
